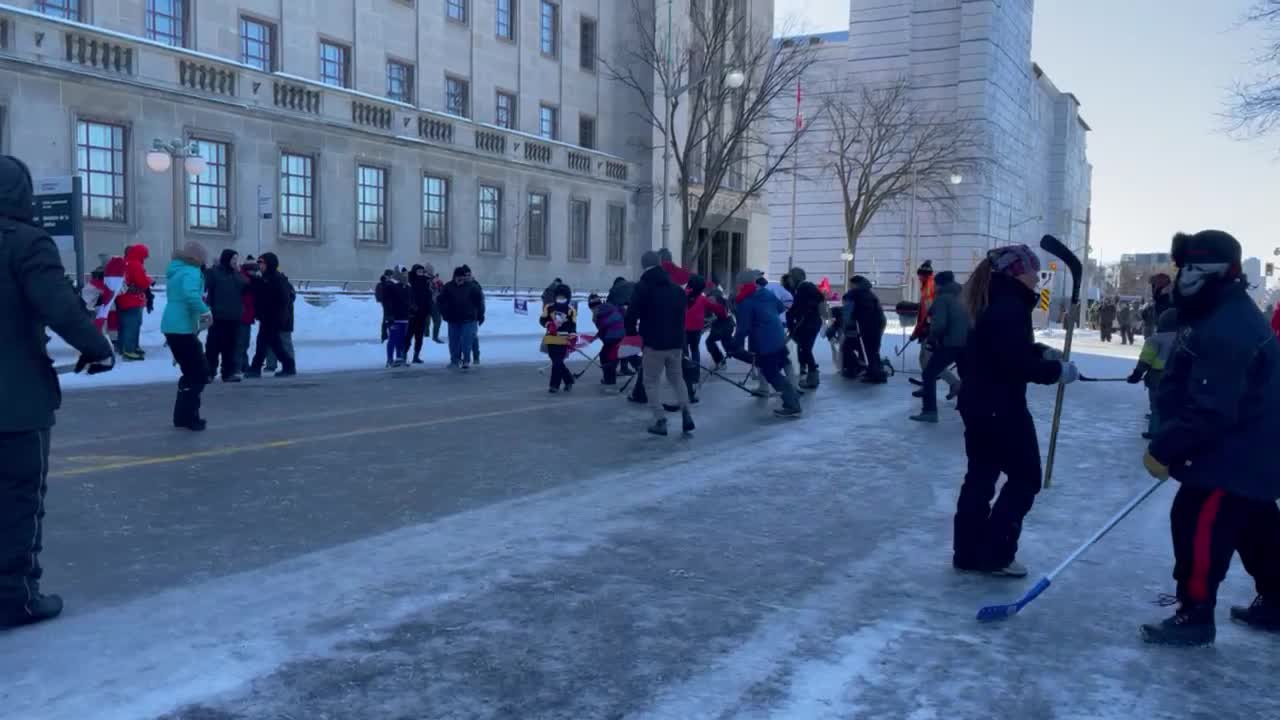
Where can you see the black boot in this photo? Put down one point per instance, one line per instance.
(39, 609)
(1262, 614)
(659, 427)
(1191, 626)
(687, 425)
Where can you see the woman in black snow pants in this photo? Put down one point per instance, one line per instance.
(998, 361)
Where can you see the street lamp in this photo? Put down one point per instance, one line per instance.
(160, 159)
(1020, 223)
(913, 242)
(956, 177)
(733, 80)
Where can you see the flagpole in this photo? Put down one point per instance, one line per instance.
(795, 170)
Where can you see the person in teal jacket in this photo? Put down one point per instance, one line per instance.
(185, 316)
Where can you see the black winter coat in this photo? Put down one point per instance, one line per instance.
(1219, 400)
(420, 295)
(397, 302)
(461, 303)
(273, 298)
(1001, 355)
(867, 312)
(806, 308)
(34, 294)
(226, 288)
(657, 308)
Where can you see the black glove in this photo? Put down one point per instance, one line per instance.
(1134, 378)
(151, 301)
(95, 366)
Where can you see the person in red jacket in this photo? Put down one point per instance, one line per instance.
(249, 268)
(132, 300)
(695, 317)
(1275, 321)
(678, 275)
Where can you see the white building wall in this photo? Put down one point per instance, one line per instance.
(972, 57)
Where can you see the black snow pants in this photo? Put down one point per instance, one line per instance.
(195, 375)
(560, 372)
(417, 331)
(805, 335)
(221, 346)
(986, 537)
(1209, 526)
(22, 489)
(871, 346)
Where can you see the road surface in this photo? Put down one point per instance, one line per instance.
(420, 544)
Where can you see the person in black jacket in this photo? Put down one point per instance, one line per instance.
(273, 304)
(397, 305)
(998, 361)
(720, 337)
(379, 292)
(462, 306)
(1219, 409)
(226, 286)
(804, 322)
(34, 294)
(867, 333)
(420, 316)
(656, 313)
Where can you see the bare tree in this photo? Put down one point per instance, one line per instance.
(885, 147)
(1255, 105)
(718, 144)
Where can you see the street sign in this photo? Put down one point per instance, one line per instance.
(264, 204)
(521, 306)
(1271, 269)
(57, 209)
(1044, 300)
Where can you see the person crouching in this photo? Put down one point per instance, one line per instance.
(610, 328)
(561, 322)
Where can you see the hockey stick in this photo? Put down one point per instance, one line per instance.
(1086, 378)
(899, 351)
(590, 364)
(1054, 246)
(740, 384)
(1003, 612)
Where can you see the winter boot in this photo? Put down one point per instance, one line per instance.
(1014, 570)
(916, 381)
(294, 373)
(687, 425)
(917, 393)
(670, 408)
(815, 378)
(659, 427)
(417, 360)
(252, 374)
(787, 412)
(38, 609)
(1191, 626)
(1262, 615)
(926, 417)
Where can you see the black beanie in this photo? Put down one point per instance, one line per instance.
(460, 271)
(926, 268)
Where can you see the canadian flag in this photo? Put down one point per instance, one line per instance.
(112, 284)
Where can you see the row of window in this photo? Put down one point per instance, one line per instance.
(167, 22)
(101, 149)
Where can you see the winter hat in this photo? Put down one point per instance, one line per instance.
(416, 268)
(593, 300)
(926, 268)
(431, 269)
(1207, 247)
(697, 284)
(649, 259)
(564, 291)
(664, 255)
(15, 189)
(946, 277)
(748, 277)
(797, 275)
(1014, 260)
(194, 253)
(224, 259)
(271, 261)
(1159, 282)
(460, 271)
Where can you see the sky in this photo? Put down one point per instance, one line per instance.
(1152, 77)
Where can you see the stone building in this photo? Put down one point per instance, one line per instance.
(347, 136)
(1032, 176)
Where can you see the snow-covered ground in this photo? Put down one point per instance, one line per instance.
(339, 335)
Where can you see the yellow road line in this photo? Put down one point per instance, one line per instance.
(276, 444)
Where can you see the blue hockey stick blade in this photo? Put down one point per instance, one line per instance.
(992, 613)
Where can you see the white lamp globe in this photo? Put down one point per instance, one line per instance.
(735, 79)
(159, 161)
(195, 165)
(956, 178)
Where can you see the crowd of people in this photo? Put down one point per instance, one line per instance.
(416, 300)
(1212, 365)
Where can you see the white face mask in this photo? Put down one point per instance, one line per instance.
(562, 301)
(1192, 277)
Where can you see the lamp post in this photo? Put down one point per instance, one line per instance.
(160, 159)
(914, 241)
(733, 80)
